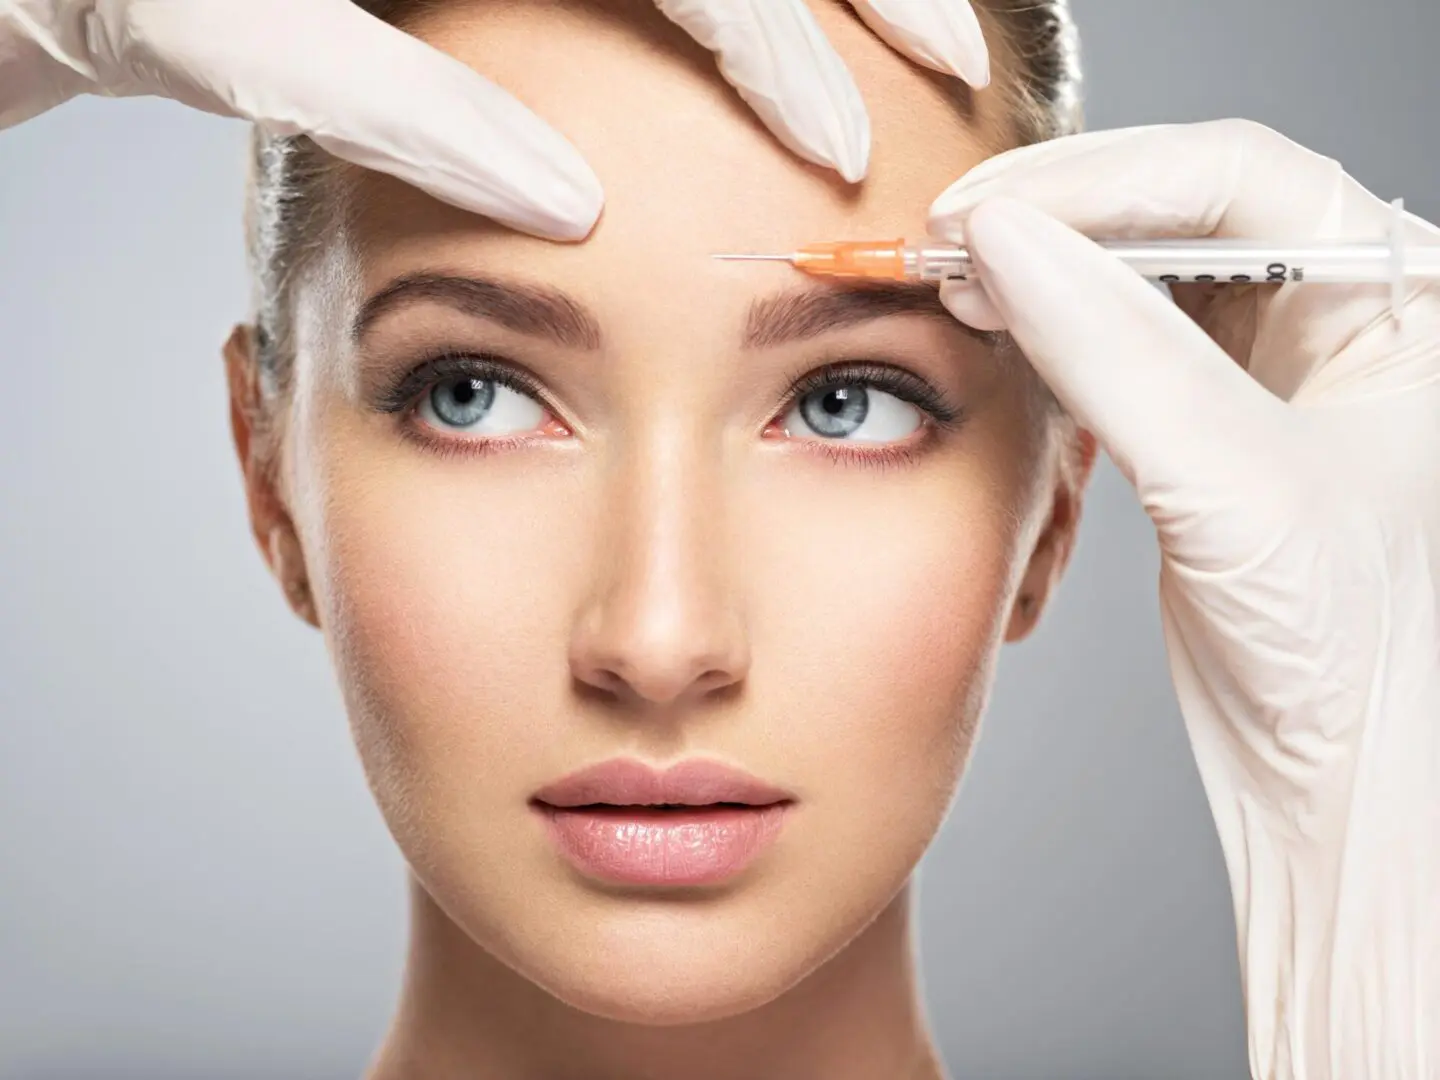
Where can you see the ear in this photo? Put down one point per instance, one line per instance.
(270, 521)
(1057, 540)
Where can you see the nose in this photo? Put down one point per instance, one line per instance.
(663, 622)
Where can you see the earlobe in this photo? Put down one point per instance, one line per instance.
(1057, 540)
(287, 563)
(1023, 617)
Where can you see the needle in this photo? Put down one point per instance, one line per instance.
(1386, 259)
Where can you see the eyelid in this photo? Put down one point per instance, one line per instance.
(889, 378)
(406, 391)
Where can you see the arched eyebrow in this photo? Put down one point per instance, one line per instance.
(805, 313)
(526, 309)
(781, 319)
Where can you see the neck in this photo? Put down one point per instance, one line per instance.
(464, 1014)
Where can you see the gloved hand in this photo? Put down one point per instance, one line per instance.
(382, 99)
(1286, 443)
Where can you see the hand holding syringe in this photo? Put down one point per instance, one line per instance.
(1206, 261)
(1288, 455)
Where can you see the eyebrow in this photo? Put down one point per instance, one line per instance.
(783, 319)
(526, 309)
(806, 313)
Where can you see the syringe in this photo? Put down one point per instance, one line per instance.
(1207, 261)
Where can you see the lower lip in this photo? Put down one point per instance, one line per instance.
(637, 846)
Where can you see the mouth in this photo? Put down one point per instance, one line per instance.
(629, 783)
(697, 823)
(600, 807)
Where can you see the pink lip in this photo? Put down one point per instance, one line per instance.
(627, 782)
(607, 822)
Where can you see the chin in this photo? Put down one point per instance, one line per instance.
(654, 969)
(657, 998)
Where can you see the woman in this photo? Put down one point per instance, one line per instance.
(659, 530)
(685, 625)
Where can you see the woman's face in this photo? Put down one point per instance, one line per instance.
(565, 504)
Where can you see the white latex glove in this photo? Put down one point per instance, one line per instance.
(370, 94)
(1287, 449)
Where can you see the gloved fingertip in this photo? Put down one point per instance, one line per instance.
(847, 158)
(564, 206)
(974, 51)
(564, 219)
(565, 230)
(970, 66)
(947, 213)
(971, 305)
(1011, 246)
(578, 214)
(1000, 221)
(949, 227)
(944, 35)
(851, 138)
(975, 70)
(854, 167)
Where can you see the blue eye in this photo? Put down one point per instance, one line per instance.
(480, 407)
(854, 412)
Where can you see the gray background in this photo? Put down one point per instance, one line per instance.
(193, 880)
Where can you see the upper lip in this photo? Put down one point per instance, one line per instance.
(627, 782)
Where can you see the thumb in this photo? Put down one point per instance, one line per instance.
(1186, 426)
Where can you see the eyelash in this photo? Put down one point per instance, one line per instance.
(896, 381)
(905, 385)
(406, 393)
(405, 396)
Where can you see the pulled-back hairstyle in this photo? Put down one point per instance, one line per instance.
(293, 203)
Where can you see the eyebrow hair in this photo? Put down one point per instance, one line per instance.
(526, 309)
(809, 312)
(782, 319)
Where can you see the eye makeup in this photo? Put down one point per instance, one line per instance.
(938, 414)
(448, 365)
(405, 396)
(896, 381)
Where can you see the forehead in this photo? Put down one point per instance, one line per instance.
(687, 168)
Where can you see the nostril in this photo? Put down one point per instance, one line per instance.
(714, 679)
(612, 682)
(600, 685)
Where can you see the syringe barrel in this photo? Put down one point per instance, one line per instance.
(1222, 261)
(937, 262)
(1244, 262)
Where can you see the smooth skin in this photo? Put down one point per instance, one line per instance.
(660, 562)
(382, 99)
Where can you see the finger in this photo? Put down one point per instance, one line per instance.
(1230, 178)
(775, 54)
(1182, 422)
(944, 35)
(970, 303)
(363, 91)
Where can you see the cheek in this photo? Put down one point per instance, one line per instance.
(447, 587)
(881, 611)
